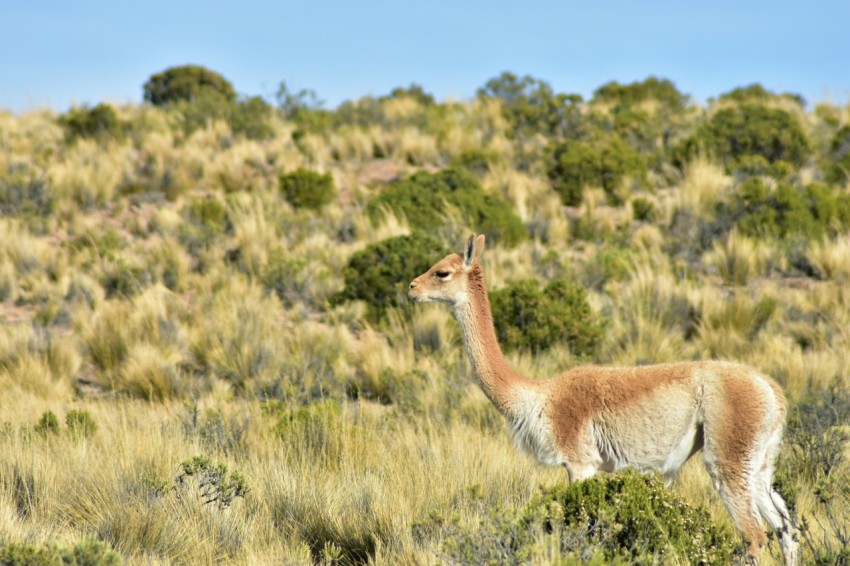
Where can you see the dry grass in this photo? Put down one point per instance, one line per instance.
(182, 339)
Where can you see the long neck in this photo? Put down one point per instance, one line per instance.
(496, 377)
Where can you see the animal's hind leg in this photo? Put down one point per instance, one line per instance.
(737, 493)
(771, 505)
(739, 500)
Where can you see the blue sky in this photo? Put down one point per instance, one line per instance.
(57, 53)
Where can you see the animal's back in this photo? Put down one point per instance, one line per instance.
(653, 417)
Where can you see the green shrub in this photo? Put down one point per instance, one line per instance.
(186, 83)
(215, 482)
(251, 118)
(80, 423)
(632, 94)
(643, 209)
(307, 189)
(422, 199)
(573, 165)
(47, 424)
(99, 123)
(837, 168)
(751, 129)
(634, 515)
(380, 273)
(528, 317)
(757, 93)
(624, 518)
(85, 553)
(531, 106)
(812, 212)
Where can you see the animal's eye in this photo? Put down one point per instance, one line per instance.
(442, 274)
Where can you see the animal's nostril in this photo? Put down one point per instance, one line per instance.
(413, 284)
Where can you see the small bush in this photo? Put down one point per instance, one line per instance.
(186, 83)
(48, 424)
(422, 199)
(625, 518)
(307, 189)
(380, 273)
(751, 129)
(80, 423)
(757, 93)
(85, 553)
(632, 515)
(216, 484)
(252, 118)
(643, 209)
(837, 168)
(528, 317)
(632, 94)
(99, 123)
(573, 165)
(812, 212)
(531, 106)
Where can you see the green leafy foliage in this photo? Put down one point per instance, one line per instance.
(48, 424)
(80, 423)
(528, 317)
(735, 133)
(422, 199)
(216, 483)
(755, 92)
(186, 83)
(533, 107)
(307, 189)
(813, 211)
(624, 518)
(643, 209)
(633, 515)
(632, 94)
(251, 117)
(85, 553)
(837, 167)
(573, 165)
(100, 123)
(380, 273)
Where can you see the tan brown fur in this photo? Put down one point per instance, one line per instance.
(596, 418)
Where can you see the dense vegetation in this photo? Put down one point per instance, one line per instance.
(206, 354)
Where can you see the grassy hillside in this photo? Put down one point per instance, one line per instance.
(206, 354)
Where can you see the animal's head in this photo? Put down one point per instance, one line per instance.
(448, 280)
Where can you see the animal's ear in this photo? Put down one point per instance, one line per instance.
(472, 252)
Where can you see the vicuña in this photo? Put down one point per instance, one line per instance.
(646, 417)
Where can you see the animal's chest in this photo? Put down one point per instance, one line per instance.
(532, 431)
